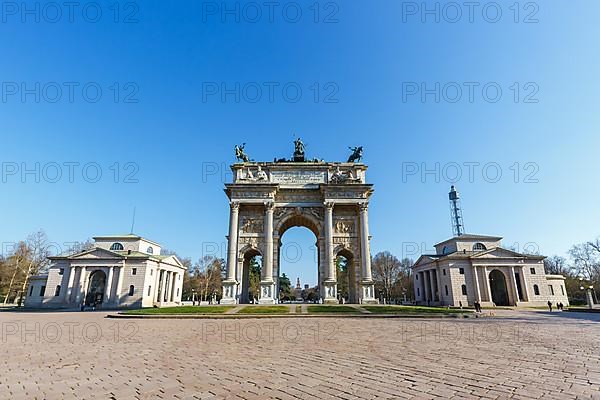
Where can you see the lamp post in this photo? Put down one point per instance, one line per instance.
(588, 292)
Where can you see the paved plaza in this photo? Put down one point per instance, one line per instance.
(523, 354)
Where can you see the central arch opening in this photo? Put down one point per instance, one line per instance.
(298, 261)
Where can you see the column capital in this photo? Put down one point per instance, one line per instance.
(329, 205)
(269, 205)
(363, 207)
(235, 205)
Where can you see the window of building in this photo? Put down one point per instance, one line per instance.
(133, 271)
(57, 291)
(562, 289)
(42, 290)
(462, 271)
(149, 290)
(116, 246)
(61, 271)
(444, 271)
(417, 276)
(150, 250)
(536, 290)
(131, 290)
(551, 290)
(31, 290)
(177, 295)
(464, 290)
(445, 250)
(446, 287)
(418, 292)
(532, 271)
(479, 247)
(151, 272)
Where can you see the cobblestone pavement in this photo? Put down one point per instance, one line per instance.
(84, 355)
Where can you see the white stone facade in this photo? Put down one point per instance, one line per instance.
(330, 199)
(471, 268)
(118, 272)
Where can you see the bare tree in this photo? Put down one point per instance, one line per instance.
(386, 271)
(208, 272)
(39, 251)
(557, 265)
(586, 260)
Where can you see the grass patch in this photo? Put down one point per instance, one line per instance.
(181, 310)
(324, 309)
(412, 310)
(264, 310)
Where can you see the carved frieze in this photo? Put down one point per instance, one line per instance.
(251, 225)
(344, 225)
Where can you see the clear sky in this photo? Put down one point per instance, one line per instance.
(418, 86)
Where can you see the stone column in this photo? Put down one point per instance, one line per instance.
(174, 279)
(423, 288)
(525, 287)
(108, 288)
(69, 291)
(233, 240)
(230, 283)
(163, 287)
(487, 284)
(267, 286)
(330, 283)
(432, 285)
(119, 291)
(513, 281)
(157, 284)
(81, 287)
(476, 280)
(438, 282)
(365, 250)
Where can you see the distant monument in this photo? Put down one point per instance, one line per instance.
(331, 199)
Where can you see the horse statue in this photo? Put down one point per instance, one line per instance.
(240, 155)
(357, 153)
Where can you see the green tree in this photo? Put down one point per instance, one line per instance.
(285, 288)
(341, 266)
(254, 278)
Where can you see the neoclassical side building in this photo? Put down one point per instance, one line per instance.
(471, 268)
(268, 198)
(118, 271)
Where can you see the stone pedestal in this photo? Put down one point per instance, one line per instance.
(229, 292)
(590, 299)
(368, 293)
(330, 292)
(267, 292)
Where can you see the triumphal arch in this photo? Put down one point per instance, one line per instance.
(329, 198)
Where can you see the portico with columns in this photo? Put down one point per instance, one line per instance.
(475, 268)
(123, 271)
(330, 199)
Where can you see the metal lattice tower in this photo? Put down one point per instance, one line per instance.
(458, 226)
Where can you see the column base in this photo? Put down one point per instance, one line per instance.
(229, 292)
(330, 293)
(267, 289)
(368, 293)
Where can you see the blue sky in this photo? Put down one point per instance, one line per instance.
(361, 68)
